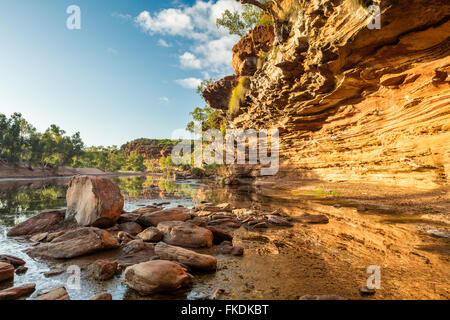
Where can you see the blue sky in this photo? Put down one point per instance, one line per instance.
(128, 73)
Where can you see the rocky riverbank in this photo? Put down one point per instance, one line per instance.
(22, 172)
(314, 245)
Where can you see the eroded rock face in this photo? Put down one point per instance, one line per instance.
(94, 201)
(156, 217)
(186, 257)
(353, 103)
(185, 234)
(75, 243)
(218, 94)
(245, 53)
(38, 224)
(156, 276)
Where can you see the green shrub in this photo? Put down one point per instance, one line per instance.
(265, 21)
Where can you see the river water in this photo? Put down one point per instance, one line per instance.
(279, 263)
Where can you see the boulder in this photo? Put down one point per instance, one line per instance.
(130, 227)
(133, 246)
(102, 270)
(151, 234)
(40, 237)
(17, 292)
(128, 217)
(227, 248)
(186, 257)
(102, 297)
(219, 235)
(6, 271)
(94, 201)
(21, 270)
(156, 217)
(156, 276)
(75, 243)
(59, 293)
(185, 234)
(40, 223)
(16, 262)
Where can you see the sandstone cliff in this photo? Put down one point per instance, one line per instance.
(151, 149)
(351, 103)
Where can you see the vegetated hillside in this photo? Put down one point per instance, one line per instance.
(351, 103)
(151, 149)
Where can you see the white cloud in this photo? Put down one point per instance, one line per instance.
(189, 83)
(190, 61)
(211, 47)
(164, 99)
(169, 21)
(164, 43)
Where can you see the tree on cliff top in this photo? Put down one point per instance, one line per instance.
(267, 6)
(240, 24)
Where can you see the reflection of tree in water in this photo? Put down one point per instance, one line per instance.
(153, 187)
(30, 199)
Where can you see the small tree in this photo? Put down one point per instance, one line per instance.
(240, 24)
(266, 6)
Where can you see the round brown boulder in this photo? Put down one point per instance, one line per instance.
(156, 276)
(94, 201)
(185, 234)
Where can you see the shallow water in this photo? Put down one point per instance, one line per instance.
(279, 263)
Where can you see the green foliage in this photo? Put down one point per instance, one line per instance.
(237, 96)
(20, 142)
(204, 84)
(206, 116)
(240, 24)
(134, 162)
(167, 164)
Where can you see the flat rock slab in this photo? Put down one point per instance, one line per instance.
(185, 234)
(6, 271)
(40, 223)
(75, 243)
(130, 227)
(128, 217)
(322, 297)
(156, 276)
(186, 257)
(94, 201)
(16, 262)
(312, 218)
(102, 297)
(55, 294)
(156, 217)
(17, 292)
